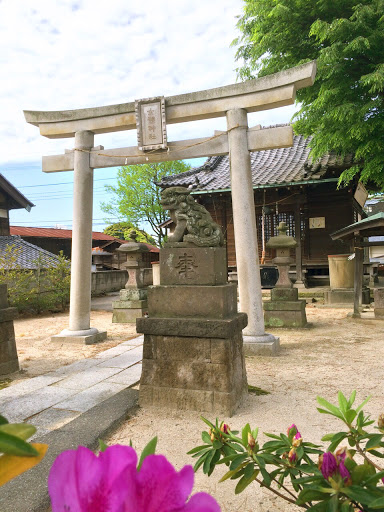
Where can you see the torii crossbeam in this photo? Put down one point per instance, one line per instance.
(232, 101)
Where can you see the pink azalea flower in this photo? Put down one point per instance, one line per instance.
(80, 481)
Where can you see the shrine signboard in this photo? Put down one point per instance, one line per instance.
(150, 123)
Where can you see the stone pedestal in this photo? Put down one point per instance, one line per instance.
(285, 309)
(8, 355)
(378, 294)
(132, 304)
(193, 347)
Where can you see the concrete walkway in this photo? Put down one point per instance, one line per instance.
(56, 398)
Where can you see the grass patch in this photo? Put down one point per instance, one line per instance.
(4, 383)
(257, 391)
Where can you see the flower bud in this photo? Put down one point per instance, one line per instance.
(327, 464)
(225, 428)
(291, 427)
(251, 441)
(296, 441)
(380, 421)
(292, 456)
(344, 473)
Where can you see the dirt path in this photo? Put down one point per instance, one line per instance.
(334, 353)
(37, 355)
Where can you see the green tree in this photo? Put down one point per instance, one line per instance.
(137, 197)
(122, 230)
(344, 109)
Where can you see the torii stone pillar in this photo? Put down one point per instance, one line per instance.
(79, 330)
(256, 340)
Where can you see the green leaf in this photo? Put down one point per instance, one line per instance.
(350, 415)
(330, 407)
(343, 404)
(311, 494)
(377, 504)
(206, 437)
(228, 474)
(352, 398)
(21, 430)
(217, 444)
(362, 404)
(358, 494)
(208, 422)
(244, 434)
(375, 478)
(244, 482)
(374, 441)
(266, 478)
(197, 449)
(3, 420)
(102, 445)
(340, 436)
(149, 449)
(200, 461)
(12, 445)
(207, 462)
(360, 473)
(237, 461)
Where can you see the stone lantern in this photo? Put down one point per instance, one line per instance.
(284, 309)
(133, 299)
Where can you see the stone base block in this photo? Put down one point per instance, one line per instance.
(225, 328)
(379, 312)
(133, 294)
(80, 340)
(193, 266)
(9, 362)
(284, 294)
(339, 296)
(285, 314)
(204, 302)
(9, 366)
(193, 373)
(127, 316)
(265, 345)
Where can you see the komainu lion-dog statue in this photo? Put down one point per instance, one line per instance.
(193, 222)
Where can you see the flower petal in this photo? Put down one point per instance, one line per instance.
(115, 459)
(63, 478)
(160, 487)
(201, 502)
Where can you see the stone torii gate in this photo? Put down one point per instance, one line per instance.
(231, 101)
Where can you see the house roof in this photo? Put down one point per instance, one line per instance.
(17, 200)
(274, 167)
(67, 234)
(371, 226)
(58, 233)
(27, 253)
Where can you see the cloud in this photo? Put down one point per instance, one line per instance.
(71, 54)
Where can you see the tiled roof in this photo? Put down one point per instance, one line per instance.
(271, 167)
(58, 233)
(16, 198)
(28, 254)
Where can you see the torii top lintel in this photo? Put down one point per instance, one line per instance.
(263, 93)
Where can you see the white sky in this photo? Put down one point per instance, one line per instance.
(68, 54)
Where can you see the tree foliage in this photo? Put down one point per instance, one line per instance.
(344, 109)
(122, 230)
(137, 197)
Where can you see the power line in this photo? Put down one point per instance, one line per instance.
(61, 183)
